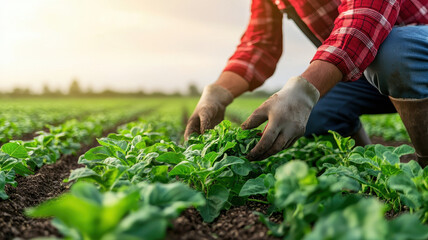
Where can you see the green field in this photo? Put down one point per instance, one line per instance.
(140, 175)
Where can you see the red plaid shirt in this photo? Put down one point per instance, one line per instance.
(351, 32)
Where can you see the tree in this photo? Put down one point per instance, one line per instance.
(21, 92)
(193, 90)
(74, 89)
(46, 90)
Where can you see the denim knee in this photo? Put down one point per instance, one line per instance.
(320, 122)
(400, 68)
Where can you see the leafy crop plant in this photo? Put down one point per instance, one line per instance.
(325, 188)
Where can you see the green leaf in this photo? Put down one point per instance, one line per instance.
(105, 179)
(171, 158)
(137, 139)
(216, 198)
(358, 159)
(211, 157)
(392, 158)
(350, 171)
(8, 163)
(403, 150)
(3, 194)
(380, 150)
(87, 192)
(82, 173)
(138, 168)
(277, 230)
(21, 169)
(390, 170)
(227, 161)
(229, 145)
(407, 226)
(15, 150)
(225, 174)
(345, 183)
(254, 187)
(409, 194)
(140, 145)
(171, 198)
(339, 202)
(412, 169)
(113, 144)
(98, 153)
(135, 130)
(87, 210)
(363, 220)
(295, 169)
(242, 169)
(146, 223)
(183, 169)
(207, 147)
(110, 177)
(72, 211)
(159, 174)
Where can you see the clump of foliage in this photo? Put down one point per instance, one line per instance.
(24, 157)
(388, 126)
(140, 212)
(315, 183)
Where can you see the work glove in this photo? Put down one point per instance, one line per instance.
(210, 110)
(288, 112)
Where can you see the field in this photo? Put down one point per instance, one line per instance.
(118, 168)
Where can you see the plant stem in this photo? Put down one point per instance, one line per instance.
(259, 201)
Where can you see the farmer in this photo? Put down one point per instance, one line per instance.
(372, 58)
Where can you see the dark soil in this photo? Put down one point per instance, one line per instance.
(236, 223)
(31, 135)
(391, 214)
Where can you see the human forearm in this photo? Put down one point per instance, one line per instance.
(233, 82)
(323, 75)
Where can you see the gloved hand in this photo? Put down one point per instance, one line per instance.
(210, 109)
(288, 112)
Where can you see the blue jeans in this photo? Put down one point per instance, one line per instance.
(400, 70)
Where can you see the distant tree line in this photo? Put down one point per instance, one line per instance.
(75, 90)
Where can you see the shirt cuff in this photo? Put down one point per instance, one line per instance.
(242, 69)
(340, 59)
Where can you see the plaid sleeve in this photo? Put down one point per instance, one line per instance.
(258, 53)
(360, 28)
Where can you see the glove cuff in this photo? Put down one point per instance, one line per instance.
(299, 85)
(217, 93)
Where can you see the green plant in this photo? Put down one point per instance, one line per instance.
(139, 212)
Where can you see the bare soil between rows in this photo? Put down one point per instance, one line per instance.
(45, 184)
(236, 223)
(31, 191)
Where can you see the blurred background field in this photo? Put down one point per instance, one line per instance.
(20, 116)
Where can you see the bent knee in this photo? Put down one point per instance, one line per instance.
(401, 64)
(321, 121)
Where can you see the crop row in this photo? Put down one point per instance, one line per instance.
(19, 157)
(388, 126)
(21, 117)
(324, 187)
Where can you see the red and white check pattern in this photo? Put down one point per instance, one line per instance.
(351, 31)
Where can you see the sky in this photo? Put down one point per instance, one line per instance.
(130, 45)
